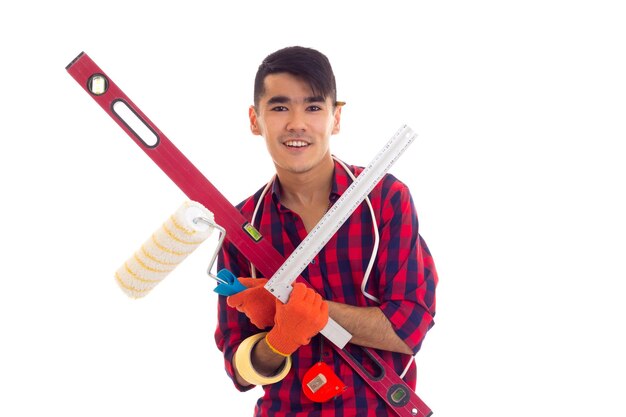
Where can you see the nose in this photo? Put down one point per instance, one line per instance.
(297, 121)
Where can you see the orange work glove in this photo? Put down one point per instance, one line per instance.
(298, 320)
(255, 302)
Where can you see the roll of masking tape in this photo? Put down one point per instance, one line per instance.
(243, 363)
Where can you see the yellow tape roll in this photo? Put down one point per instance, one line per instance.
(243, 363)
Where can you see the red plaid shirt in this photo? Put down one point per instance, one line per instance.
(403, 279)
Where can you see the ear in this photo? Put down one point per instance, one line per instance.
(254, 122)
(337, 121)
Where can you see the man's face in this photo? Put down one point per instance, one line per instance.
(295, 123)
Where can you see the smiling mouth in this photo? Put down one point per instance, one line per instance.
(296, 144)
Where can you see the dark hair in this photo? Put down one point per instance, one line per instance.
(308, 64)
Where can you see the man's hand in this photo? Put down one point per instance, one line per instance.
(298, 320)
(255, 302)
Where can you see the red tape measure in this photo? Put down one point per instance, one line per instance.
(321, 384)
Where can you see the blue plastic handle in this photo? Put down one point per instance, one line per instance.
(233, 286)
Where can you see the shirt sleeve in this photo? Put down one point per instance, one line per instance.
(408, 277)
(233, 327)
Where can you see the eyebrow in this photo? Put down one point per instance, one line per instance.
(285, 99)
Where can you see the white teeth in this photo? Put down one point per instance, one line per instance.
(296, 143)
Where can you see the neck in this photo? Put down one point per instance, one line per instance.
(307, 188)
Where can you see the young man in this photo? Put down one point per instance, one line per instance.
(375, 277)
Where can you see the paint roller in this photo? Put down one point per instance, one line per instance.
(181, 234)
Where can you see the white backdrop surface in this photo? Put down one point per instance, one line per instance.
(517, 175)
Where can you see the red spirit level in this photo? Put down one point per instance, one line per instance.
(387, 384)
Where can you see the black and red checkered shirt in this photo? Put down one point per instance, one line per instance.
(403, 279)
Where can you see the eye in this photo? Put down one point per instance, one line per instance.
(314, 108)
(279, 108)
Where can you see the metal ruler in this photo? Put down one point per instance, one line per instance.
(281, 282)
(387, 384)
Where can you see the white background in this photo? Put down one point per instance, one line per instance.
(517, 174)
